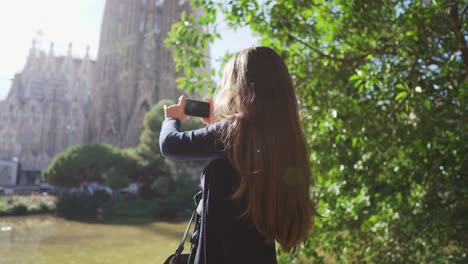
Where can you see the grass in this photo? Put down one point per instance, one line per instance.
(132, 208)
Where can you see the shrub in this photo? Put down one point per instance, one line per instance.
(97, 206)
(21, 205)
(180, 201)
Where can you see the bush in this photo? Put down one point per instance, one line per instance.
(180, 201)
(97, 206)
(21, 205)
(133, 208)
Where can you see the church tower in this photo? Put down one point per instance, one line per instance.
(134, 68)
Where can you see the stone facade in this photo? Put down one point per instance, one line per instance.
(44, 112)
(134, 68)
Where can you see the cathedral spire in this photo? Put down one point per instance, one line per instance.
(140, 23)
(50, 61)
(69, 50)
(39, 38)
(67, 66)
(86, 63)
(87, 52)
(51, 50)
(33, 47)
(32, 53)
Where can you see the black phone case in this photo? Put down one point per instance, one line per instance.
(197, 108)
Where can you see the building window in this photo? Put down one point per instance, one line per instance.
(12, 108)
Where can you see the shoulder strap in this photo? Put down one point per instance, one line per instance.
(182, 242)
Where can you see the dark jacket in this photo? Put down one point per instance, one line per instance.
(225, 237)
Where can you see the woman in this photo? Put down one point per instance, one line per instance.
(256, 188)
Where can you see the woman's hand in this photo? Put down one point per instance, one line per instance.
(209, 120)
(176, 110)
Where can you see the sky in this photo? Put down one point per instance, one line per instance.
(71, 21)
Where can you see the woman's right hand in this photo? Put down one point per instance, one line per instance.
(176, 110)
(209, 120)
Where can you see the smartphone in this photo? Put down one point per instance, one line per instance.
(197, 108)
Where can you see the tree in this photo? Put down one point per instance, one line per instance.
(148, 148)
(382, 87)
(95, 162)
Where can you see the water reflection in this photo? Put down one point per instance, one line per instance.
(26, 230)
(47, 239)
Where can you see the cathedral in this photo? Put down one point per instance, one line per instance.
(59, 101)
(44, 111)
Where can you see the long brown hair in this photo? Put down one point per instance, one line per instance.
(265, 143)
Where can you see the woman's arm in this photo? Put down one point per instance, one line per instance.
(195, 144)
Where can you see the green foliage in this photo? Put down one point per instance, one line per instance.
(125, 208)
(148, 149)
(97, 206)
(190, 56)
(20, 205)
(96, 162)
(180, 201)
(174, 198)
(382, 88)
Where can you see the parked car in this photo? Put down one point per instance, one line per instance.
(45, 187)
(89, 189)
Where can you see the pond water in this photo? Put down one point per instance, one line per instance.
(51, 240)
